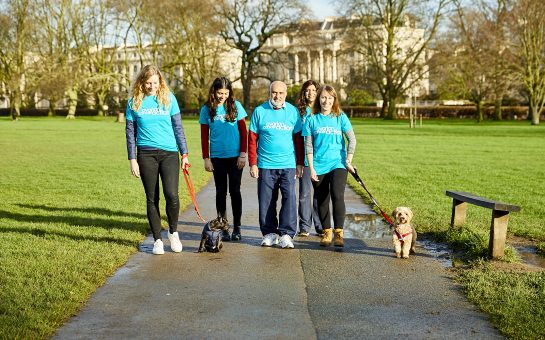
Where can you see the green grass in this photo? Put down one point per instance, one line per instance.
(502, 161)
(71, 214)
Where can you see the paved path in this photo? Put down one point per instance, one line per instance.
(248, 291)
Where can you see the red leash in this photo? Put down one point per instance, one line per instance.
(358, 179)
(191, 188)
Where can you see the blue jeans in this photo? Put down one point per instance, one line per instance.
(308, 205)
(269, 183)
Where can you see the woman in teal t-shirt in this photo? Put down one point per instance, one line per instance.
(155, 142)
(329, 159)
(224, 144)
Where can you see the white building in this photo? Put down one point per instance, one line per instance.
(321, 51)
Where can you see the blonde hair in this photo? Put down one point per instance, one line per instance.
(139, 91)
(335, 109)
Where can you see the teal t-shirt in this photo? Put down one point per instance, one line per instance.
(224, 135)
(328, 141)
(275, 149)
(153, 124)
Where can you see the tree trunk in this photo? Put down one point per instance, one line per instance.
(497, 109)
(101, 98)
(16, 106)
(51, 111)
(479, 107)
(72, 103)
(535, 115)
(391, 112)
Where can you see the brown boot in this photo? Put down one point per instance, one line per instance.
(326, 237)
(339, 234)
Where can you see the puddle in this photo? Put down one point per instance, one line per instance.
(365, 226)
(530, 256)
(440, 251)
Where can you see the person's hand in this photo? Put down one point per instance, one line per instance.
(208, 165)
(254, 171)
(349, 166)
(299, 171)
(185, 162)
(241, 162)
(313, 175)
(135, 168)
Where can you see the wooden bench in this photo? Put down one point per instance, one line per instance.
(500, 218)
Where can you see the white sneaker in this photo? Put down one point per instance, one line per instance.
(158, 248)
(286, 242)
(269, 240)
(175, 243)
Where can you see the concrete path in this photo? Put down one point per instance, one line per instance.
(248, 291)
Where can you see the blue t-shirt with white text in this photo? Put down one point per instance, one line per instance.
(275, 149)
(224, 135)
(328, 141)
(153, 123)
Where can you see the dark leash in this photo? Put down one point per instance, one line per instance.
(386, 217)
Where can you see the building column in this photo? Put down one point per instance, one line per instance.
(309, 66)
(321, 72)
(296, 61)
(334, 66)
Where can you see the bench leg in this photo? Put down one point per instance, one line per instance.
(498, 233)
(459, 209)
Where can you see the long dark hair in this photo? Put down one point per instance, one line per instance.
(302, 101)
(222, 83)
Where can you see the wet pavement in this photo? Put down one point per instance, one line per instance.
(310, 292)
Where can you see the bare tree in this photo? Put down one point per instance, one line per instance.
(528, 26)
(249, 24)
(15, 38)
(393, 37)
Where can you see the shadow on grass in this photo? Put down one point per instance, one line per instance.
(98, 211)
(75, 221)
(39, 232)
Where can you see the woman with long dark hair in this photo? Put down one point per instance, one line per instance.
(224, 144)
(308, 206)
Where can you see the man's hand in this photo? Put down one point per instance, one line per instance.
(254, 171)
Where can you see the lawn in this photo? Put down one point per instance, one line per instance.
(71, 214)
(503, 161)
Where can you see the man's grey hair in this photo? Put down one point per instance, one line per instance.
(274, 82)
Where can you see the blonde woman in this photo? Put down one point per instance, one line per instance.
(329, 159)
(155, 143)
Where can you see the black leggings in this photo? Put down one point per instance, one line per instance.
(331, 186)
(153, 163)
(226, 168)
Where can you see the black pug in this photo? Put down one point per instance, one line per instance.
(211, 235)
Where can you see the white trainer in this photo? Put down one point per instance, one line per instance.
(269, 240)
(175, 243)
(286, 241)
(158, 248)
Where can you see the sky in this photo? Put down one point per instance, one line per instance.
(323, 8)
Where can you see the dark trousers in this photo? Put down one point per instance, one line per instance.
(155, 163)
(308, 205)
(269, 184)
(331, 186)
(228, 175)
